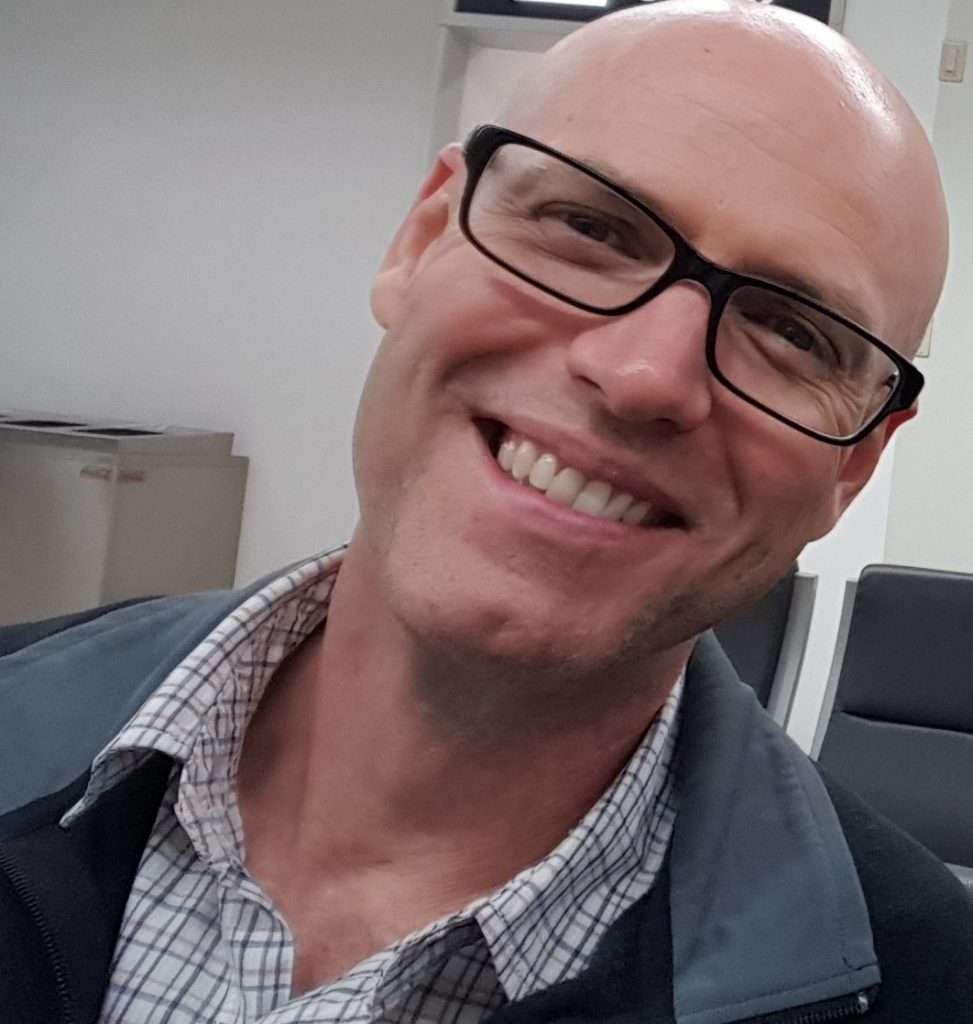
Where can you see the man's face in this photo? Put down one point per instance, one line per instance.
(472, 558)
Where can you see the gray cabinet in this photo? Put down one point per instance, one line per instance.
(100, 511)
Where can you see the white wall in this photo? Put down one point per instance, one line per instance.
(932, 492)
(491, 75)
(193, 197)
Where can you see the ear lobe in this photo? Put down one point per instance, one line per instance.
(896, 420)
(424, 224)
(860, 463)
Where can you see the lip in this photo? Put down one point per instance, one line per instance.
(594, 465)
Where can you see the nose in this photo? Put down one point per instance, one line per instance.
(650, 365)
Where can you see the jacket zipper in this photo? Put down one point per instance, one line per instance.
(855, 1005)
(22, 890)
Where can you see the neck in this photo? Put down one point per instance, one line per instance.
(371, 750)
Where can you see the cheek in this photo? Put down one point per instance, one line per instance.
(382, 436)
(463, 307)
(455, 326)
(411, 402)
(789, 482)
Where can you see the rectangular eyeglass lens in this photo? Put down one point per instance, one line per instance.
(566, 230)
(802, 363)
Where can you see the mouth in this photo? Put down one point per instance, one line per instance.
(532, 464)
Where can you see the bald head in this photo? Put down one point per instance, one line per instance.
(757, 129)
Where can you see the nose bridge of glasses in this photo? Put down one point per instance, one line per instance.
(689, 268)
(688, 265)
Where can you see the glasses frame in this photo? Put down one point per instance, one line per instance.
(687, 265)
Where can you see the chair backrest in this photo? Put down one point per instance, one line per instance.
(897, 722)
(766, 641)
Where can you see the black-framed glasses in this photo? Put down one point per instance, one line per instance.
(571, 232)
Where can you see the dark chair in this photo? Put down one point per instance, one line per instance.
(766, 641)
(897, 721)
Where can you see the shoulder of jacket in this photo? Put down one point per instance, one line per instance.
(65, 695)
(27, 639)
(19, 635)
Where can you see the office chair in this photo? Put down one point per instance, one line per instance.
(766, 641)
(897, 721)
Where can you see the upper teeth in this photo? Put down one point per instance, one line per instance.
(526, 463)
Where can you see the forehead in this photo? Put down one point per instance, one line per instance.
(769, 164)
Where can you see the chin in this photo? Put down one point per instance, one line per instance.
(472, 619)
(516, 630)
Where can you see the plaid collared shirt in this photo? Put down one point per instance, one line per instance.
(200, 940)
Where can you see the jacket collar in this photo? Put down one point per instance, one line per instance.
(82, 685)
(759, 910)
(767, 909)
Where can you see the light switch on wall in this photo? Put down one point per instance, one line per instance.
(924, 345)
(952, 64)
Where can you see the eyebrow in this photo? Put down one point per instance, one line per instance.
(836, 299)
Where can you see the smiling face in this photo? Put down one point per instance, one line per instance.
(774, 153)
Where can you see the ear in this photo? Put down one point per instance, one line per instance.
(860, 462)
(896, 420)
(424, 224)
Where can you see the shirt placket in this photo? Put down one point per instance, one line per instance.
(259, 944)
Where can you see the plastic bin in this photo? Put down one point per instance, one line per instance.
(94, 511)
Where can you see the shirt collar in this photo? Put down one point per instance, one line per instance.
(607, 861)
(198, 715)
(542, 927)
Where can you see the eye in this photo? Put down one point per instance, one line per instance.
(593, 226)
(795, 333)
(590, 227)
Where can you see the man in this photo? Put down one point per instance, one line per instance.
(642, 344)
